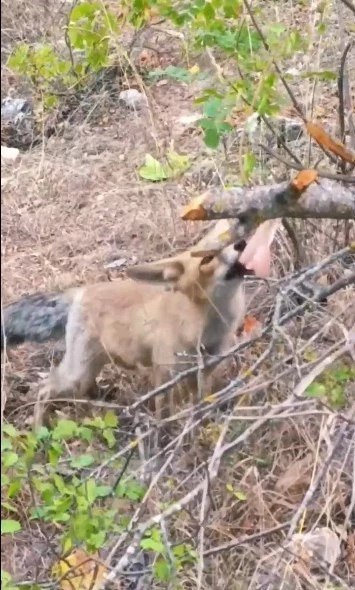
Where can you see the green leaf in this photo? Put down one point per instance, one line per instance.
(86, 433)
(38, 513)
(177, 163)
(5, 480)
(316, 390)
(212, 107)
(110, 420)
(249, 163)
(54, 453)
(9, 526)
(64, 430)
(95, 422)
(91, 490)
(97, 540)
(277, 29)
(9, 459)
(162, 569)
(103, 491)
(109, 437)
(153, 170)
(240, 495)
(211, 138)
(6, 444)
(19, 58)
(82, 461)
(8, 506)
(209, 12)
(10, 430)
(42, 433)
(14, 487)
(179, 550)
(152, 545)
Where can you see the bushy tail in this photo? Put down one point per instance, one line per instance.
(35, 318)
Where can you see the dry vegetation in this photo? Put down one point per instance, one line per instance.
(261, 461)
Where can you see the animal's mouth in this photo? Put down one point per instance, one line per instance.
(237, 270)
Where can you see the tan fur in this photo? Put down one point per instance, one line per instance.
(158, 318)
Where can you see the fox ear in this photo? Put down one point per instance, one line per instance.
(256, 255)
(167, 272)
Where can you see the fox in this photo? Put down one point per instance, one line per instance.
(154, 318)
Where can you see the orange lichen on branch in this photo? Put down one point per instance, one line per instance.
(195, 211)
(332, 145)
(304, 179)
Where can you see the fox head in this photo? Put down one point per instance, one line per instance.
(199, 278)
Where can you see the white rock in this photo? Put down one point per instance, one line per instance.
(133, 99)
(116, 263)
(9, 154)
(189, 119)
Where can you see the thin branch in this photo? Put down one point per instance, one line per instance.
(246, 539)
(319, 477)
(349, 4)
(345, 101)
(295, 166)
(266, 45)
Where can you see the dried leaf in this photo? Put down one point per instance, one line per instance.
(195, 69)
(321, 543)
(304, 179)
(79, 571)
(251, 326)
(194, 211)
(298, 474)
(332, 145)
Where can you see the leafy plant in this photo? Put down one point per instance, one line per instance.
(167, 563)
(332, 385)
(90, 30)
(62, 491)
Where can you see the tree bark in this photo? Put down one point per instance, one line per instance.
(248, 207)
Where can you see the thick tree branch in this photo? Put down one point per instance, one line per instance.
(324, 199)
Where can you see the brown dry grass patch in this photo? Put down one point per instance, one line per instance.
(76, 203)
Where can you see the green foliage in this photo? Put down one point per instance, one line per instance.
(92, 36)
(91, 28)
(6, 582)
(332, 385)
(168, 562)
(63, 492)
(178, 74)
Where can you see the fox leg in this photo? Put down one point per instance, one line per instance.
(158, 404)
(76, 374)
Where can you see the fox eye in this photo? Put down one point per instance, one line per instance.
(240, 246)
(207, 259)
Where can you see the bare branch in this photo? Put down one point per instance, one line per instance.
(349, 4)
(246, 539)
(322, 200)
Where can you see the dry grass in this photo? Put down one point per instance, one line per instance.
(76, 203)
